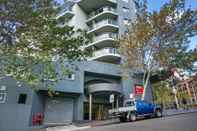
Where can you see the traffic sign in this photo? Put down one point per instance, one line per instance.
(139, 90)
(111, 98)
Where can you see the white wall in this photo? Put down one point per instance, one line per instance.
(79, 18)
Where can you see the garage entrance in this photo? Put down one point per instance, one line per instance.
(58, 110)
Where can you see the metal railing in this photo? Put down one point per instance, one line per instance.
(101, 10)
(106, 51)
(102, 23)
(104, 36)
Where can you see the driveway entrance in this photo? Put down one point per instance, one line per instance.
(58, 110)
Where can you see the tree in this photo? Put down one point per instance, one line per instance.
(159, 40)
(183, 95)
(162, 93)
(33, 44)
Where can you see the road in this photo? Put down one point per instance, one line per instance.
(186, 122)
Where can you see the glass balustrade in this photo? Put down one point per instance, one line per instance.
(102, 23)
(104, 36)
(106, 51)
(101, 10)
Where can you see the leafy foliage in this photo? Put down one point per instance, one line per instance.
(162, 93)
(160, 39)
(32, 43)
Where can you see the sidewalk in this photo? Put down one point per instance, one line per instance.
(178, 112)
(67, 128)
(88, 124)
(167, 113)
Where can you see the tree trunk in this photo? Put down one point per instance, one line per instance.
(146, 85)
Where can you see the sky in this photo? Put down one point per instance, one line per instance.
(155, 5)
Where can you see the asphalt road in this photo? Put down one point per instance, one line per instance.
(186, 122)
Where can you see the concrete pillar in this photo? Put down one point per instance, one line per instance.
(117, 102)
(90, 107)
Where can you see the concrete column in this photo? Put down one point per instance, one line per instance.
(90, 107)
(117, 102)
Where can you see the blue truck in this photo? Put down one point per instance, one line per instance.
(134, 109)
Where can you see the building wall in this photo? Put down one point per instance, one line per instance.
(15, 116)
(130, 15)
(79, 19)
(20, 116)
(189, 87)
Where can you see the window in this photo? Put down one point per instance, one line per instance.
(3, 88)
(125, 9)
(130, 103)
(71, 76)
(126, 21)
(3, 94)
(22, 99)
(126, 1)
(2, 97)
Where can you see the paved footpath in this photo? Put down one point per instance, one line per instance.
(166, 113)
(184, 122)
(169, 115)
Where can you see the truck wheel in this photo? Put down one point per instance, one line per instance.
(158, 113)
(132, 117)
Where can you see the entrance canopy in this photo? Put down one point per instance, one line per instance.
(105, 87)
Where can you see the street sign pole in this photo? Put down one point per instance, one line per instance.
(111, 100)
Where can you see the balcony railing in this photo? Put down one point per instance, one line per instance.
(102, 23)
(101, 10)
(67, 12)
(105, 36)
(106, 51)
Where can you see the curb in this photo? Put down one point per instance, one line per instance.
(104, 124)
(67, 128)
(180, 113)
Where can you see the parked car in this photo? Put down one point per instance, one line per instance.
(134, 109)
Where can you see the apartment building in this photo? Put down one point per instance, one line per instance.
(84, 95)
(189, 87)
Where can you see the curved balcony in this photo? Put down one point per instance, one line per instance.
(104, 12)
(67, 13)
(110, 55)
(90, 5)
(105, 87)
(103, 40)
(106, 25)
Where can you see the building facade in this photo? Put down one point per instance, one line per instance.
(189, 88)
(85, 93)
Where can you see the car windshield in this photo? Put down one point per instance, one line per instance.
(129, 103)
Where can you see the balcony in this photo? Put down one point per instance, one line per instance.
(103, 40)
(67, 13)
(110, 55)
(102, 13)
(90, 5)
(106, 25)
